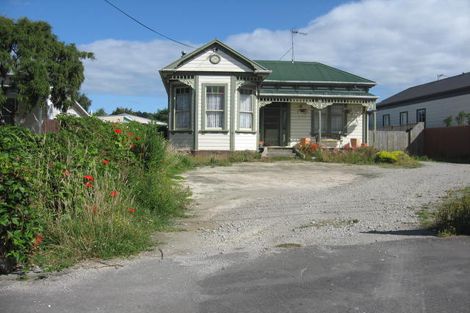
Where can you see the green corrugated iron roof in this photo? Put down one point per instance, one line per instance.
(314, 92)
(285, 71)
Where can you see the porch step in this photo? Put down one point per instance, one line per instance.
(273, 152)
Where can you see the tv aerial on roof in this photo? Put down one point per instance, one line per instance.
(294, 32)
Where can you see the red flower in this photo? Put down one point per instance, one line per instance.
(118, 131)
(38, 240)
(114, 193)
(137, 138)
(131, 210)
(88, 184)
(89, 178)
(105, 162)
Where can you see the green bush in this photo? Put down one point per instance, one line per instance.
(453, 215)
(398, 158)
(389, 157)
(92, 189)
(19, 221)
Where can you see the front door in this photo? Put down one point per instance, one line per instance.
(274, 124)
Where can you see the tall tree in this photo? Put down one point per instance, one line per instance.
(36, 65)
(162, 115)
(84, 101)
(100, 112)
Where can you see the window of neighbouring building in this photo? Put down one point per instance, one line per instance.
(386, 120)
(403, 118)
(421, 116)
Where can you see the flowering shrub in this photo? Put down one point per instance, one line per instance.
(66, 196)
(389, 157)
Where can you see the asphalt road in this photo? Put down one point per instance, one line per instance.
(412, 275)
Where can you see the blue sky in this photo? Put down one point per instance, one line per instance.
(396, 43)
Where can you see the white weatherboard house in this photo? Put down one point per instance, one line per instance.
(219, 100)
(430, 103)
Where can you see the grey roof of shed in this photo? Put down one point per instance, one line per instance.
(437, 89)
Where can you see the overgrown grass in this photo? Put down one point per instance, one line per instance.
(222, 159)
(453, 214)
(365, 156)
(92, 190)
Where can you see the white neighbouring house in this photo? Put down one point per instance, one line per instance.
(14, 113)
(219, 100)
(37, 118)
(430, 103)
(126, 118)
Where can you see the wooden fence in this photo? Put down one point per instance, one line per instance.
(408, 138)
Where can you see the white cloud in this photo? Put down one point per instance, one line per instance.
(127, 67)
(396, 43)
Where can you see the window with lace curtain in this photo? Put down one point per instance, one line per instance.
(246, 109)
(182, 108)
(332, 119)
(215, 107)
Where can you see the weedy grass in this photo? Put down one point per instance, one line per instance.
(452, 216)
(91, 190)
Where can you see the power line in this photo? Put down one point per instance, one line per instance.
(149, 28)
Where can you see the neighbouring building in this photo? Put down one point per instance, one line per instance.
(36, 119)
(126, 118)
(430, 103)
(220, 100)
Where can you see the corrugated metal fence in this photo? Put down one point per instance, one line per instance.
(408, 138)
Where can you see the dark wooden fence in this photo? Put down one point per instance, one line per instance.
(447, 142)
(408, 138)
(50, 126)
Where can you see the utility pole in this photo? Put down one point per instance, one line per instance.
(292, 33)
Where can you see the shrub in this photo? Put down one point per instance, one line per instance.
(453, 215)
(399, 158)
(362, 155)
(19, 222)
(389, 157)
(448, 121)
(93, 189)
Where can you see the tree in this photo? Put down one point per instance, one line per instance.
(36, 65)
(121, 110)
(100, 112)
(162, 115)
(84, 101)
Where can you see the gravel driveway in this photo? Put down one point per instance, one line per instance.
(256, 208)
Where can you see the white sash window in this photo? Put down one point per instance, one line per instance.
(182, 108)
(246, 109)
(215, 107)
